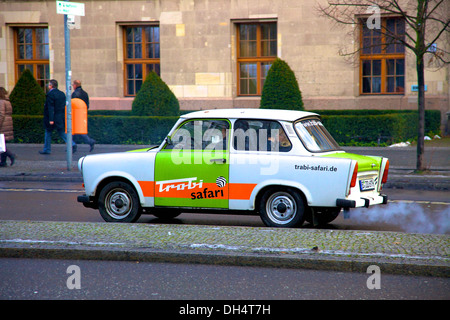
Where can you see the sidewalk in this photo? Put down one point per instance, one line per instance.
(32, 166)
(342, 250)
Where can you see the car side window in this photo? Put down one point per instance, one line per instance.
(209, 134)
(260, 135)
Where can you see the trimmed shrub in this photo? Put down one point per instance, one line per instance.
(27, 97)
(381, 127)
(104, 129)
(351, 130)
(130, 130)
(155, 99)
(281, 89)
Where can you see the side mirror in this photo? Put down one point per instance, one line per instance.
(169, 141)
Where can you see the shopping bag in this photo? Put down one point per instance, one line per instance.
(2, 143)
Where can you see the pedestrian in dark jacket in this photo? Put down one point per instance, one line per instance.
(54, 116)
(79, 93)
(6, 126)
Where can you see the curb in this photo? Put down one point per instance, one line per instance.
(51, 177)
(418, 182)
(228, 259)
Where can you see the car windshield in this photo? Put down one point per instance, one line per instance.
(314, 136)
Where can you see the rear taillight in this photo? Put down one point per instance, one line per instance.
(385, 172)
(355, 176)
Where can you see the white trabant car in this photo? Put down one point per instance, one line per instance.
(282, 165)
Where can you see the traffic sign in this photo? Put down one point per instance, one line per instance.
(73, 8)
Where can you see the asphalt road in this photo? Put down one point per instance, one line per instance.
(47, 279)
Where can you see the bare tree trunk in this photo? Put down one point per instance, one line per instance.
(420, 166)
(422, 6)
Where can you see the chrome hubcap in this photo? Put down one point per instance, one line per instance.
(281, 207)
(118, 204)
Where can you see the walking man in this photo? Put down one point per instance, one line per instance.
(79, 93)
(54, 116)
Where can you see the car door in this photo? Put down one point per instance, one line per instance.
(192, 169)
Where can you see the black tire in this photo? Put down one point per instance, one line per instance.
(166, 214)
(282, 207)
(119, 202)
(324, 215)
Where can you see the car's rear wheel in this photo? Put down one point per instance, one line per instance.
(119, 202)
(323, 215)
(282, 207)
(166, 214)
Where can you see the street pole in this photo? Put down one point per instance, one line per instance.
(68, 93)
(66, 7)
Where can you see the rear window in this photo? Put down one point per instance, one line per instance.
(315, 136)
(260, 135)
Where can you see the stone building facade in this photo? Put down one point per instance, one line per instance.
(211, 53)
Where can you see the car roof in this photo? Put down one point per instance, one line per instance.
(249, 113)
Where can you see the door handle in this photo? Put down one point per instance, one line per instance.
(220, 160)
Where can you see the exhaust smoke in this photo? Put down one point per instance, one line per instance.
(409, 216)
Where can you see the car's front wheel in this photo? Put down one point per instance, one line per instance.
(119, 202)
(282, 207)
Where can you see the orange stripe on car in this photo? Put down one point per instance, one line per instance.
(235, 191)
(241, 191)
(148, 188)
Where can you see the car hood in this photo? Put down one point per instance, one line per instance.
(144, 149)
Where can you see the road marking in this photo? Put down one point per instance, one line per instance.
(420, 202)
(40, 190)
(33, 241)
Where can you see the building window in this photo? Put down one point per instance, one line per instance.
(32, 52)
(141, 56)
(382, 57)
(256, 51)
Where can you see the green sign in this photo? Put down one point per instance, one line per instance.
(70, 8)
